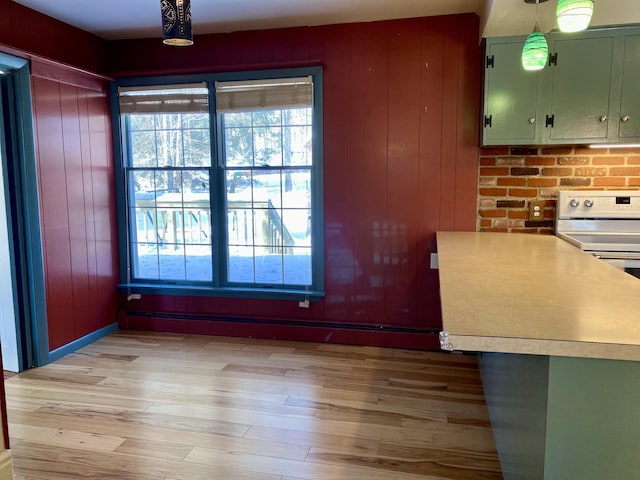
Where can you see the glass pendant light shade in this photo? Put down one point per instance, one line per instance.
(535, 51)
(176, 22)
(574, 15)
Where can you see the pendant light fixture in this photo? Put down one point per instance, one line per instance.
(574, 15)
(176, 22)
(535, 50)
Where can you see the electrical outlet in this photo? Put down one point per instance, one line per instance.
(536, 211)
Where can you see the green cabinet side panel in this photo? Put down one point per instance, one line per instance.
(630, 100)
(593, 419)
(562, 418)
(515, 389)
(580, 89)
(510, 96)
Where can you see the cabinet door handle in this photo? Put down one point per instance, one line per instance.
(603, 118)
(625, 118)
(532, 120)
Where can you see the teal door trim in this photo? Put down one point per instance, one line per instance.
(23, 187)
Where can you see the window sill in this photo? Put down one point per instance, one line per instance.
(231, 292)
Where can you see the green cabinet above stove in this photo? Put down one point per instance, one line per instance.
(630, 91)
(586, 94)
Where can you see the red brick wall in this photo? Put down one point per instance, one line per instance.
(511, 177)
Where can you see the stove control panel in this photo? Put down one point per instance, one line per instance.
(598, 204)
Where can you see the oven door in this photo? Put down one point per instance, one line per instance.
(630, 263)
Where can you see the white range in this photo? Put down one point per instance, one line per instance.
(603, 223)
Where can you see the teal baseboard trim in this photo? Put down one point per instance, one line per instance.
(82, 342)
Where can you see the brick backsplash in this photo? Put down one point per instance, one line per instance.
(510, 177)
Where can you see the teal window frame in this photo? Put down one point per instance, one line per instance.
(219, 286)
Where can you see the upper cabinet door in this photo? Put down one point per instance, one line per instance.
(580, 89)
(630, 99)
(510, 96)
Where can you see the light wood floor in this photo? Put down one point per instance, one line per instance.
(151, 406)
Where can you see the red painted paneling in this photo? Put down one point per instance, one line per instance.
(76, 192)
(402, 178)
(27, 33)
(78, 273)
(401, 102)
(371, 174)
(54, 214)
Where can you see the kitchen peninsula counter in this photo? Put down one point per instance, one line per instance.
(558, 336)
(534, 294)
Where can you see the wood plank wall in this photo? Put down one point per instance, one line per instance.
(26, 33)
(76, 193)
(401, 102)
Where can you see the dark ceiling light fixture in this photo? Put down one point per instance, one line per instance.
(176, 22)
(535, 49)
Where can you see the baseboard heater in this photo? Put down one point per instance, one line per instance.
(281, 329)
(284, 323)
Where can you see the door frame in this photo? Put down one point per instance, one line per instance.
(23, 212)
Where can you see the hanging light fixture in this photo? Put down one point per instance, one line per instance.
(535, 49)
(574, 15)
(176, 22)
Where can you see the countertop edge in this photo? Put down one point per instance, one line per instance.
(559, 348)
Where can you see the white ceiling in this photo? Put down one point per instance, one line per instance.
(126, 19)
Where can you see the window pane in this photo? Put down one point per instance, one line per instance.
(196, 148)
(267, 144)
(297, 227)
(297, 266)
(269, 208)
(269, 267)
(172, 262)
(199, 265)
(171, 213)
(142, 122)
(240, 264)
(239, 226)
(297, 116)
(267, 188)
(142, 182)
(144, 154)
(238, 144)
(145, 261)
(297, 145)
(197, 223)
(194, 121)
(237, 183)
(238, 119)
(267, 117)
(297, 189)
(169, 145)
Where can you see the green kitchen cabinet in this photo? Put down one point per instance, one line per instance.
(510, 96)
(587, 93)
(576, 107)
(629, 118)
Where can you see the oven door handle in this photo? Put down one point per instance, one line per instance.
(620, 262)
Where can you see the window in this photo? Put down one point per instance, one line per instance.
(220, 187)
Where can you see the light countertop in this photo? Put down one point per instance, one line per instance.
(534, 294)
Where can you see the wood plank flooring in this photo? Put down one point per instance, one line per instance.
(159, 406)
